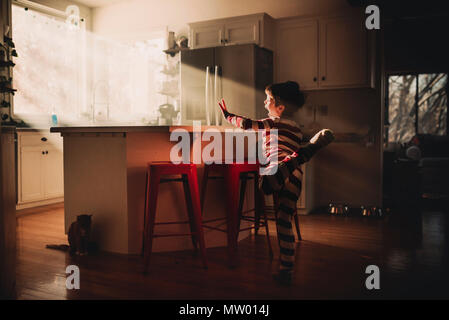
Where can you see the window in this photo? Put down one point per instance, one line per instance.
(50, 74)
(417, 103)
(85, 77)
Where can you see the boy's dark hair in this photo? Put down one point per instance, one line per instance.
(288, 94)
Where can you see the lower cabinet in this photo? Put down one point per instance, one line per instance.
(40, 169)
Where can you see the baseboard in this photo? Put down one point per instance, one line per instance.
(33, 204)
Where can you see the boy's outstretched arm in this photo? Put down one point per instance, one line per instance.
(242, 122)
(272, 183)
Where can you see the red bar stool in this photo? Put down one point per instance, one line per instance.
(189, 179)
(233, 174)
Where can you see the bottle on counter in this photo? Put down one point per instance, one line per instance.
(54, 118)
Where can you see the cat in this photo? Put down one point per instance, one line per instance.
(78, 236)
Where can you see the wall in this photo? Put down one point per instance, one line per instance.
(141, 16)
(413, 45)
(347, 172)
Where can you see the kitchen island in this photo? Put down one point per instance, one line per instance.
(104, 175)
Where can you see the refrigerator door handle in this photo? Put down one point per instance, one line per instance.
(216, 98)
(207, 96)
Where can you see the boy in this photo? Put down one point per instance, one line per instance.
(282, 100)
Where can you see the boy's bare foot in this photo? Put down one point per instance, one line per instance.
(323, 138)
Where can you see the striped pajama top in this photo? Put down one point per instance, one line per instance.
(289, 139)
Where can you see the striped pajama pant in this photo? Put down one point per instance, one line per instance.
(288, 197)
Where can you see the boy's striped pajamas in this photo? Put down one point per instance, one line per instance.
(288, 141)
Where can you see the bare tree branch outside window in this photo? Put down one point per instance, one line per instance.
(432, 105)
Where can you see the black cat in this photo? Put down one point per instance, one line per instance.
(78, 236)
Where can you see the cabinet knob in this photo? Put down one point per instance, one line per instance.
(46, 152)
(43, 152)
(323, 78)
(44, 139)
(314, 79)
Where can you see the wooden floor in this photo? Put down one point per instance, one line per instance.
(411, 251)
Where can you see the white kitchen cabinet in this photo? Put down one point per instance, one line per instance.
(40, 169)
(254, 28)
(241, 32)
(343, 53)
(30, 169)
(324, 52)
(206, 36)
(297, 52)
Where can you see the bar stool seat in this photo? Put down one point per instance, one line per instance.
(155, 172)
(233, 174)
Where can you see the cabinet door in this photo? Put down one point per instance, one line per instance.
(31, 177)
(297, 52)
(242, 32)
(343, 53)
(206, 36)
(53, 173)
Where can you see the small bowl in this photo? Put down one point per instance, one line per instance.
(338, 209)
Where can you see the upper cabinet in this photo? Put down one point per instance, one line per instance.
(324, 53)
(296, 57)
(254, 28)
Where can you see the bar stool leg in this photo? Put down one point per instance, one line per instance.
(196, 205)
(204, 186)
(189, 205)
(276, 208)
(150, 217)
(232, 185)
(241, 199)
(147, 189)
(260, 207)
(258, 199)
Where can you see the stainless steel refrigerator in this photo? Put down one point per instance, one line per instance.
(237, 73)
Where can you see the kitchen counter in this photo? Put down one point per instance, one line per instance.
(27, 129)
(105, 175)
(113, 129)
(87, 129)
(7, 129)
(340, 137)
